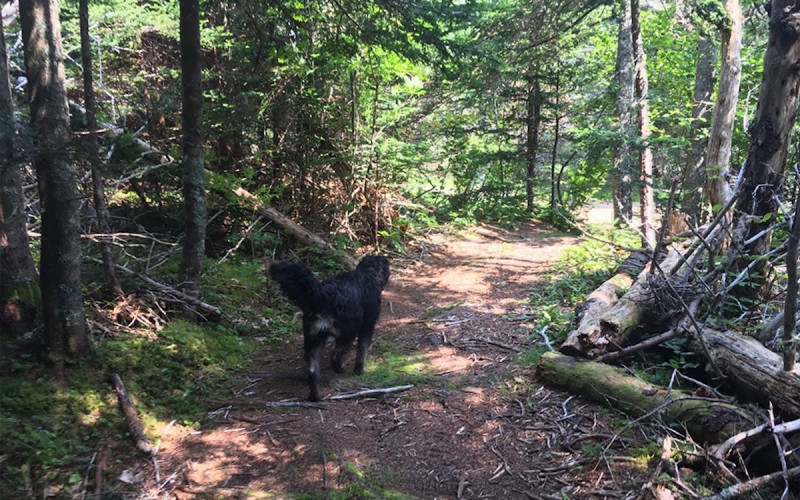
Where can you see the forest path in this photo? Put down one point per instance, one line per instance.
(475, 424)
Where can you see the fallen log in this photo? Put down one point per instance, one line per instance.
(709, 421)
(608, 328)
(129, 411)
(753, 370)
(601, 300)
(293, 228)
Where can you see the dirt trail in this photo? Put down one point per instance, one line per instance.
(475, 425)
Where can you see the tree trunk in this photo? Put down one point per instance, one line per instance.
(623, 161)
(194, 194)
(93, 150)
(720, 138)
(532, 121)
(707, 422)
(556, 131)
(770, 131)
(646, 201)
(694, 177)
(20, 297)
(65, 328)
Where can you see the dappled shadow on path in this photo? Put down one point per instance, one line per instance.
(475, 424)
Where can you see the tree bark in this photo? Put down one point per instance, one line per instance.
(770, 131)
(194, 194)
(646, 201)
(20, 297)
(707, 422)
(622, 177)
(695, 174)
(532, 121)
(93, 150)
(65, 328)
(753, 370)
(720, 138)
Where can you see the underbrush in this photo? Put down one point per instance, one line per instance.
(52, 432)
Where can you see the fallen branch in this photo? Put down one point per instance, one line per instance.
(212, 311)
(725, 448)
(293, 228)
(129, 411)
(371, 392)
(737, 490)
(497, 344)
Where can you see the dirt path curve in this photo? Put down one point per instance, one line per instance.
(475, 425)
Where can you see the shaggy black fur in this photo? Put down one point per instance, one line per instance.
(345, 307)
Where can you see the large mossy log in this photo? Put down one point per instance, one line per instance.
(707, 421)
(753, 370)
(608, 323)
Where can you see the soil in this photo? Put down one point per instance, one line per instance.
(476, 423)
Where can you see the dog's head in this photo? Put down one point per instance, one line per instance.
(376, 266)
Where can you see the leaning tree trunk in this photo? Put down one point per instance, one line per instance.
(623, 161)
(694, 176)
(647, 203)
(720, 139)
(93, 150)
(19, 286)
(194, 195)
(532, 120)
(65, 328)
(771, 129)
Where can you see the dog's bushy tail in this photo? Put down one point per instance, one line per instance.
(297, 283)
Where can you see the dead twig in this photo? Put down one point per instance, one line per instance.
(737, 490)
(371, 392)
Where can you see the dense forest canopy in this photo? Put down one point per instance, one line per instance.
(158, 156)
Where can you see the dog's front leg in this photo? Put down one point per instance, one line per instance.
(314, 343)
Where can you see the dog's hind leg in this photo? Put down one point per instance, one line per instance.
(314, 343)
(364, 341)
(340, 354)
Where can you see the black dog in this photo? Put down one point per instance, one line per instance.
(345, 307)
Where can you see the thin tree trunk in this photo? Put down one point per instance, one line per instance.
(19, 285)
(646, 201)
(93, 150)
(720, 139)
(790, 304)
(194, 195)
(532, 121)
(695, 174)
(556, 130)
(769, 134)
(62, 301)
(623, 162)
